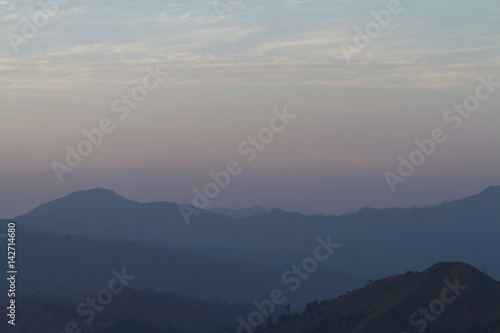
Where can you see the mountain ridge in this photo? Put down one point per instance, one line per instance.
(461, 230)
(109, 194)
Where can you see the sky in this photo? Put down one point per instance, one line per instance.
(227, 67)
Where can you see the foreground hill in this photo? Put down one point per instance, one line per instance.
(130, 311)
(446, 298)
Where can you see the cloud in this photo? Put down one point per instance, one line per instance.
(94, 45)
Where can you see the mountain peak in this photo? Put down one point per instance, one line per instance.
(82, 201)
(96, 196)
(102, 192)
(445, 266)
(491, 190)
(387, 305)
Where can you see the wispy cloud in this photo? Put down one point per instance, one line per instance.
(90, 45)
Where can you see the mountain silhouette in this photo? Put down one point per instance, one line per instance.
(447, 297)
(414, 238)
(454, 297)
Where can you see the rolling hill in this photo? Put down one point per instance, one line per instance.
(449, 297)
(446, 298)
(129, 311)
(73, 264)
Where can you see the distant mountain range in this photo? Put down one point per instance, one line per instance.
(239, 213)
(375, 242)
(448, 297)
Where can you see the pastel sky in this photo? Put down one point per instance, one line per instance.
(226, 74)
